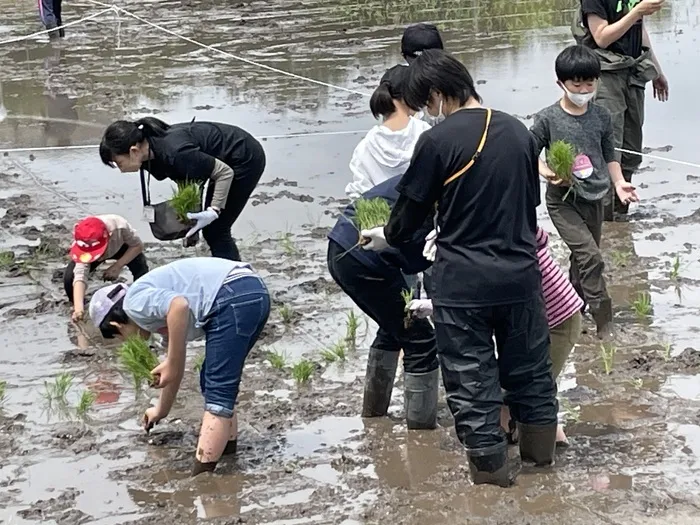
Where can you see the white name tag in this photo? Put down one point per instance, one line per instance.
(149, 214)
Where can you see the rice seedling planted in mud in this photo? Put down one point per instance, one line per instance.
(302, 371)
(636, 382)
(607, 354)
(620, 258)
(286, 313)
(278, 360)
(3, 391)
(186, 199)
(288, 247)
(675, 268)
(571, 413)
(138, 359)
(87, 399)
(560, 159)
(58, 390)
(351, 330)
(7, 259)
(667, 351)
(642, 304)
(337, 352)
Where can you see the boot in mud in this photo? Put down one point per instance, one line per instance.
(420, 399)
(603, 315)
(490, 465)
(537, 443)
(54, 34)
(379, 382)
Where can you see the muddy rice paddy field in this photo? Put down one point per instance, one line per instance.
(304, 454)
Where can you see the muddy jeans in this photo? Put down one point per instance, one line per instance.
(138, 267)
(563, 338)
(379, 296)
(626, 104)
(580, 225)
(473, 377)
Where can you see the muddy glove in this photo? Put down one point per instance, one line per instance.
(203, 218)
(429, 250)
(374, 239)
(420, 308)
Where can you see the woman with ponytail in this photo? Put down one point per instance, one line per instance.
(225, 156)
(386, 150)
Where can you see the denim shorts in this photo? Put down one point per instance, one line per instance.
(237, 317)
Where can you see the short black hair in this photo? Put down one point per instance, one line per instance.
(419, 37)
(577, 63)
(437, 70)
(391, 87)
(116, 314)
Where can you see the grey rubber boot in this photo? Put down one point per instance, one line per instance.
(490, 465)
(379, 382)
(603, 315)
(420, 399)
(537, 443)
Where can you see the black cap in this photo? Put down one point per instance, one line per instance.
(419, 37)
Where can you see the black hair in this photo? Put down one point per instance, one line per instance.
(419, 37)
(437, 70)
(391, 87)
(577, 63)
(122, 134)
(116, 314)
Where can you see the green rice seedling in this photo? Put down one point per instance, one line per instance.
(607, 354)
(138, 359)
(7, 259)
(286, 313)
(328, 356)
(636, 382)
(667, 351)
(339, 349)
(87, 399)
(278, 360)
(58, 390)
(302, 371)
(351, 327)
(642, 305)
(571, 413)
(407, 296)
(3, 392)
(675, 269)
(186, 199)
(288, 247)
(560, 159)
(371, 213)
(621, 258)
(198, 362)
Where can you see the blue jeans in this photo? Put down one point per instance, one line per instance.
(237, 317)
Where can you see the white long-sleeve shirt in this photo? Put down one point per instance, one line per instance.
(381, 155)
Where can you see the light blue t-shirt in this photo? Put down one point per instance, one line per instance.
(197, 279)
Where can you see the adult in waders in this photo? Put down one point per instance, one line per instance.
(226, 157)
(224, 301)
(480, 167)
(615, 30)
(50, 13)
(375, 282)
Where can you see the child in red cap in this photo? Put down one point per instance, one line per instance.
(96, 239)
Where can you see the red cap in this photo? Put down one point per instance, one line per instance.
(90, 240)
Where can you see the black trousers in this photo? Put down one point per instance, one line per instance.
(379, 296)
(138, 267)
(218, 233)
(473, 376)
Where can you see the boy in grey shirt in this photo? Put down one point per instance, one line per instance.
(578, 216)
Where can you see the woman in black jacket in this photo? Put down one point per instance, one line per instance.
(227, 157)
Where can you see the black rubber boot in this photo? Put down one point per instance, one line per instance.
(379, 382)
(54, 34)
(537, 443)
(490, 465)
(603, 315)
(231, 448)
(420, 399)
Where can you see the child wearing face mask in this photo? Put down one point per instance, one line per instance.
(577, 212)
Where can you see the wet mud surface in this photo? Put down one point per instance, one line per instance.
(304, 455)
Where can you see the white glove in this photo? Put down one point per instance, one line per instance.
(203, 218)
(375, 236)
(420, 308)
(430, 249)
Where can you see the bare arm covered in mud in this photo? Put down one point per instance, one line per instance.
(171, 371)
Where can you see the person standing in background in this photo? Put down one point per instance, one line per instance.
(50, 13)
(615, 30)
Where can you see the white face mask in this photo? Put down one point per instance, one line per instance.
(433, 121)
(579, 99)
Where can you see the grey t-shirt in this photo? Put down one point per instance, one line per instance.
(592, 136)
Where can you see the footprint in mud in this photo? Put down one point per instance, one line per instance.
(59, 509)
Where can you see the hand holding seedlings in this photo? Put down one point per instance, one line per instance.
(420, 308)
(374, 239)
(152, 417)
(203, 218)
(164, 374)
(186, 199)
(561, 157)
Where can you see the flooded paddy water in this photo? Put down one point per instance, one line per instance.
(304, 454)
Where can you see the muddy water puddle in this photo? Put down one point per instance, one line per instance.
(304, 454)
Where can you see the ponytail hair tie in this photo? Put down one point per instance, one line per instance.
(140, 127)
